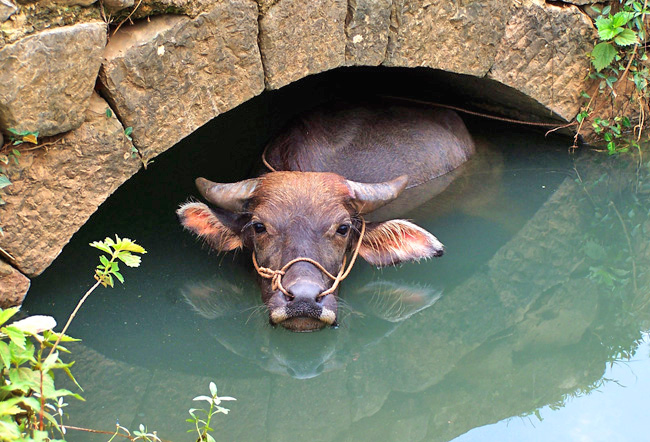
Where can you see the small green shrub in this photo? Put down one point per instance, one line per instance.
(620, 67)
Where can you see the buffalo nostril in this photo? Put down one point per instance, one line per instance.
(305, 290)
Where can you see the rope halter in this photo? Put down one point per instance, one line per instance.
(276, 275)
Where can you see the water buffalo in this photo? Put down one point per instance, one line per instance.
(335, 165)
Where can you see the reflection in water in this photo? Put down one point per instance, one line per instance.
(237, 318)
(545, 280)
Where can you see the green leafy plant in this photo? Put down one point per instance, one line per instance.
(614, 31)
(17, 137)
(619, 62)
(121, 249)
(31, 408)
(127, 132)
(201, 418)
(29, 401)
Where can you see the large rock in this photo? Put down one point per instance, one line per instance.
(7, 9)
(366, 30)
(46, 79)
(167, 77)
(13, 286)
(543, 55)
(299, 38)
(56, 189)
(461, 37)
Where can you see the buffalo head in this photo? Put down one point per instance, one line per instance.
(281, 216)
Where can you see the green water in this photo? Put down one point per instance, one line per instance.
(530, 328)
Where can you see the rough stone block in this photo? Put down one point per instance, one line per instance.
(13, 286)
(170, 76)
(366, 28)
(46, 79)
(55, 189)
(458, 36)
(299, 38)
(7, 9)
(543, 55)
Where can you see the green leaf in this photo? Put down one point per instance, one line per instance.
(21, 355)
(10, 430)
(50, 361)
(119, 276)
(17, 336)
(621, 18)
(603, 54)
(9, 408)
(6, 314)
(24, 379)
(607, 33)
(131, 246)
(63, 392)
(51, 336)
(101, 246)
(626, 38)
(72, 378)
(626, 122)
(4, 181)
(5, 354)
(129, 259)
(109, 113)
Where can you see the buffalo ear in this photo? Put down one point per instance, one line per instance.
(395, 241)
(217, 227)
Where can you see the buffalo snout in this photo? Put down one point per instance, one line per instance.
(305, 309)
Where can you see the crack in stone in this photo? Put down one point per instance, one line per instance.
(260, 16)
(392, 30)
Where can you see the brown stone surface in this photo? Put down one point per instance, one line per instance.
(542, 54)
(56, 189)
(55, 3)
(7, 9)
(46, 79)
(116, 5)
(366, 28)
(167, 77)
(299, 38)
(459, 36)
(13, 286)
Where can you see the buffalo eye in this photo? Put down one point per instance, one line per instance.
(259, 227)
(343, 229)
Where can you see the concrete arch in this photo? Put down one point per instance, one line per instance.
(166, 76)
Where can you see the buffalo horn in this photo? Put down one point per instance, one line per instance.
(228, 196)
(369, 197)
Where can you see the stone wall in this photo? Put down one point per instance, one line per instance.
(184, 62)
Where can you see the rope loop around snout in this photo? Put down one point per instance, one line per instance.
(276, 275)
